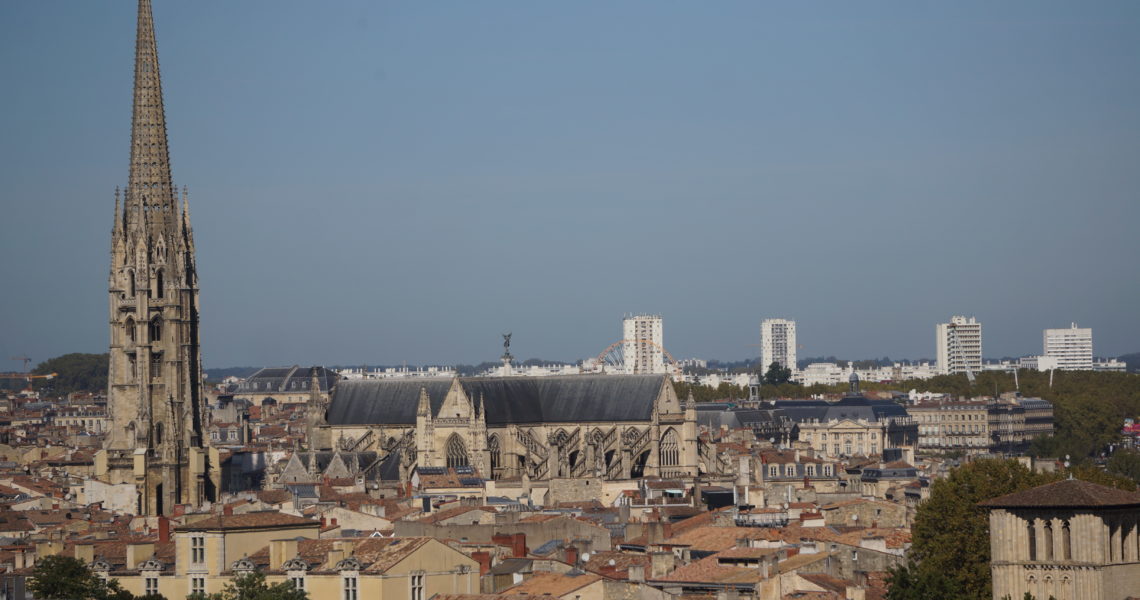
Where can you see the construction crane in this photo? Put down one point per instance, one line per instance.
(28, 376)
(25, 360)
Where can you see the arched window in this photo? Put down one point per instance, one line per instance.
(1031, 531)
(670, 449)
(496, 453)
(131, 283)
(1066, 541)
(155, 330)
(456, 452)
(158, 283)
(156, 365)
(158, 434)
(1048, 533)
(130, 327)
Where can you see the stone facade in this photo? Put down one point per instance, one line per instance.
(1071, 540)
(157, 409)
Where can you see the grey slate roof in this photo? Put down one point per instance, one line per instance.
(287, 379)
(566, 399)
(720, 415)
(850, 407)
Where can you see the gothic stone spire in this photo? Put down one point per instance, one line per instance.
(149, 186)
(154, 393)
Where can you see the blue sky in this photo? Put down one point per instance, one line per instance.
(381, 182)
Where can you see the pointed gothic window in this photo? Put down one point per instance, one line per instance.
(130, 329)
(155, 330)
(456, 452)
(1048, 539)
(131, 283)
(158, 283)
(496, 453)
(670, 449)
(156, 365)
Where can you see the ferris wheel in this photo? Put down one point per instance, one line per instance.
(636, 357)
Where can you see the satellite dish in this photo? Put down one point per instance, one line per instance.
(612, 562)
(585, 557)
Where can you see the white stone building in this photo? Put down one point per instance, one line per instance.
(821, 373)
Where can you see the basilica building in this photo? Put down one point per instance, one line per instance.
(609, 427)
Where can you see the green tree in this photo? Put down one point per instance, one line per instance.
(703, 393)
(75, 372)
(1125, 463)
(67, 578)
(950, 550)
(252, 586)
(777, 374)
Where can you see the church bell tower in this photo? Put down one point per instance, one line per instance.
(154, 391)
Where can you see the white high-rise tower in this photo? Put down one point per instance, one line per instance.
(1072, 347)
(644, 347)
(778, 343)
(959, 345)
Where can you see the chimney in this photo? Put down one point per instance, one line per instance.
(322, 523)
(163, 529)
(571, 555)
(346, 546)
(18, 559)
(660, 564)
(228, 510)
(484, 560)
(179, 510)
(333, 557)
(333, 523)
(637, 573)
(281, 551)
(518, 545)
(655, 533)
(136, 553)
(47, 549)
(85, 553)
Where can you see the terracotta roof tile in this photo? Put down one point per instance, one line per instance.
(555, 584)
(261, 519)
(709, 570)
(1067, 493)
